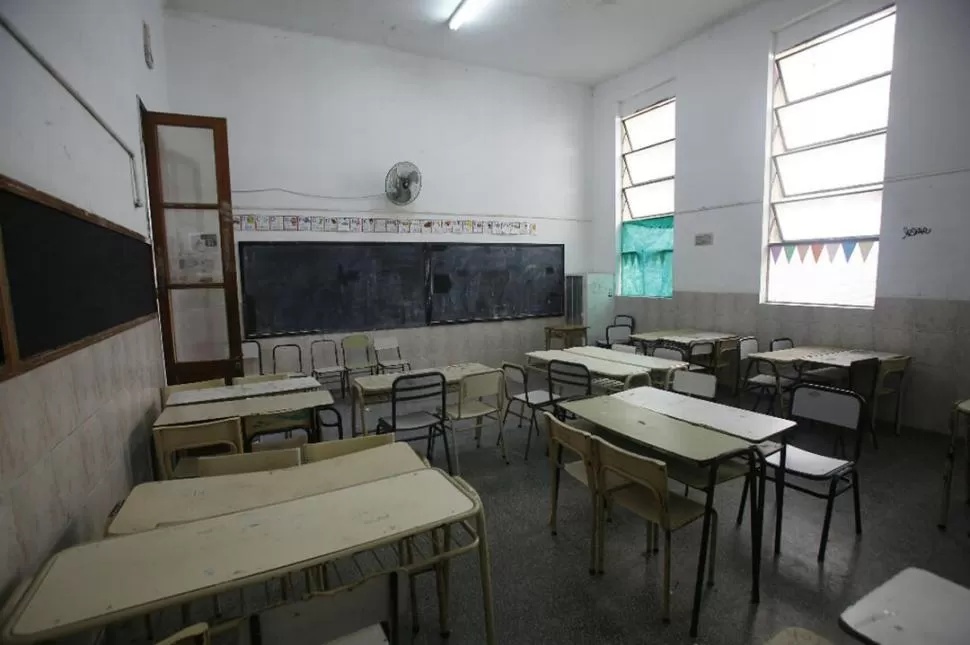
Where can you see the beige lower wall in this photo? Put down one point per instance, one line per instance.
(936, 333)
(73, 439)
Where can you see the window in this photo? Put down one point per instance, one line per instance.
(647, 160)
(828, 151)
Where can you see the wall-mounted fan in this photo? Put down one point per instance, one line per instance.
(403, 183)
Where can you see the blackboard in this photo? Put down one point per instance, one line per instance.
(69, 277)
(323, 287)
(473, 282)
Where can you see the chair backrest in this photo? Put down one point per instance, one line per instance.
(747, 346)
(326, 350)
(824, 404)
(670, 352)
(258, 378)
(476, 387)
(648, 473)
(427, 387)
(618, 334)
(171, 439)
(248, 462)
(727, 350)
(563, 436)
(252, 349)
(515, 373)
(890, 370)
(568, 375)
(198, 385)
(694, 384)
(329, 449)
(623, 319)
(638, 380)
(264, 443)
(287, 352)
(628, 349)
(781, 343)
(356, 350)
(197, 634)
(864, 376)
(387, 344)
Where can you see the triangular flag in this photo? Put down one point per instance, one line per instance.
(832, 249)
(848, 247)
(802, 251)
(775, 252)
(817, 251)
(789, 251)
(865, 247)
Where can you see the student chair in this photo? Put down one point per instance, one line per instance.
(618, 335)
(670, 352)
(638, 380)
(481, 396)
(892, 376)
(779, 344)
(265, 443)
(252, 352)
(827, 406)
(761, 378)
(324, 364)
(626, 349)
(330, 449)
(649, 497)
(527, 399)
(356, 351)
(387, 353)
(426, 389)
(171, 441)
(198, 385)
(623, 319)
(250, 462)
(695, 384)
(283, 356)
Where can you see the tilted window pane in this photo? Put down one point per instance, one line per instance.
(652, 127)
(827, 217)
(852, 163)
(652, 199)
(652, 163)
(861, 108)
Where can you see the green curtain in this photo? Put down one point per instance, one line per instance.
(646, 257)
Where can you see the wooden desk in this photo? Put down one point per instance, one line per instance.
(177, 501)
(261, 405)
(958, 418)
(637, 360)
(172, 565)
(682, 440)
(570, 334)
(596, 366)
(377, 388)
(914, 606)
(244, 391)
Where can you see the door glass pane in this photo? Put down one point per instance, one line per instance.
(194, 246)
(199, 324)
(853, 163)
(652, 163)
(187, 158)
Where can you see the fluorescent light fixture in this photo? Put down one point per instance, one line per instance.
(466, 10)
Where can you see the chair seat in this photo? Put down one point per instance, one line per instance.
(577, 470)
(808, 464)
(680, 510)
(697, 477)
(395, 362)
(411, 421)
(767, 380)
(824, 374)
(769, 447)
(535, 397)
(329, 370)
(608, 384)
(470, 410)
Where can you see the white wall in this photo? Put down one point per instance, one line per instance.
(330, 117)
(73, 433)
(720, 79)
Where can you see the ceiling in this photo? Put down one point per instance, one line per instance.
(584, 41)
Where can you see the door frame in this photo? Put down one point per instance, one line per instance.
(185, 371)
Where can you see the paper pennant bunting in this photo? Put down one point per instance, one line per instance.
(775, 252)
(817, 251)
(848, 247)
(789, 251)
(802, 251)
(832, 249)
(865, 247)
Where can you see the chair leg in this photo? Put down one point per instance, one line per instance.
(501, 441)
(898, 415)
(656, 538)
(594, 538)
(528, 441)
(829, 504)
(744, 499)
(649, 526)
(666, 591)
(453, 468)
(855, 499)
(478, 432)
(599, 512)
(712, 552)
(555, 497)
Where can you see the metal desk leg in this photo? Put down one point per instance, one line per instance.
(780, 493)
(354, 402)
(757, 521)
(702, 559)
(948, 468)
(486, 577)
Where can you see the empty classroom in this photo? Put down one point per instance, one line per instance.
(387, 322)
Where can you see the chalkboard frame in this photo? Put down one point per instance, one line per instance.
(426, 252)
(13, 363)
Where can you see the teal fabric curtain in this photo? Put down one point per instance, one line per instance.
(646, 257)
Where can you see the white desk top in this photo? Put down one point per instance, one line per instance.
(269, 404)
(744, 424)
(596, 366)
(964, 406)
(668, 435)
(646, 362)
(453, 373)
(831, 356)
(683, 336)
(244, 391)
(914, 606)
(97, 583)
(177, 501)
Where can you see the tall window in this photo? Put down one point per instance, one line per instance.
(647, 155)
(828, 150)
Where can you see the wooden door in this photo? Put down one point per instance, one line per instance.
(187, 159)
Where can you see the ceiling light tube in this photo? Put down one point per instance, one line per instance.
(465, 11)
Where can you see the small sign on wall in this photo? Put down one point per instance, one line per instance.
(704, 239)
